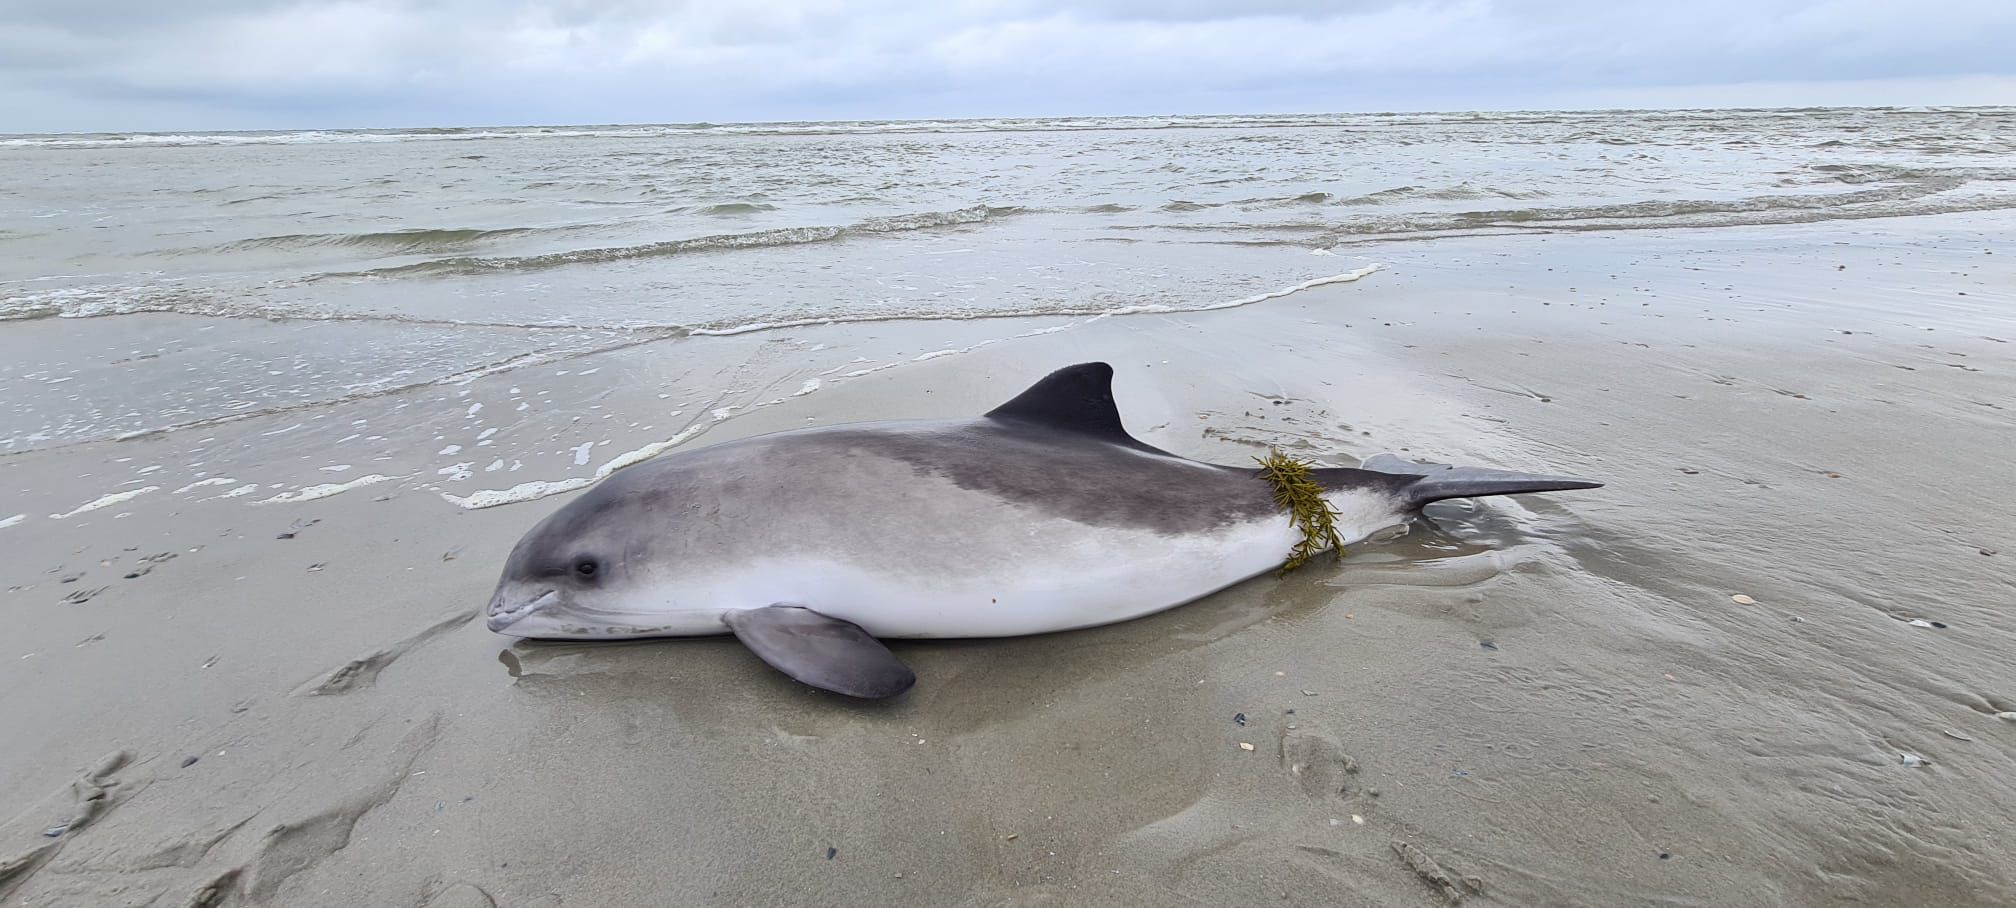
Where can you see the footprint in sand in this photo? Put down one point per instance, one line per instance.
(147, 564)
(1317, 763)
(84, 800)
(80, 597)
(287, 848)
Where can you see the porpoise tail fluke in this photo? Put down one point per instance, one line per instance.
(1439, 481)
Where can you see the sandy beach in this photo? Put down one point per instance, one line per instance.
(1763, 666)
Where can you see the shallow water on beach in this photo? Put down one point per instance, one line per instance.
(720, 228)
(291, 270)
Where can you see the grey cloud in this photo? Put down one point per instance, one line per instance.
(299, 63)
(107, 17)
(1209, 10)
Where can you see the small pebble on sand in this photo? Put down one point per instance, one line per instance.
(1741, 599)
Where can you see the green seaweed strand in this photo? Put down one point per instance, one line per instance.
(1298, 494)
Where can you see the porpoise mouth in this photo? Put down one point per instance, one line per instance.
(502, 616)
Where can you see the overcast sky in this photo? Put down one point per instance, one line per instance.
(119, 65)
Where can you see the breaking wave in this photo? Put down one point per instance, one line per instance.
(782, 236)
(1890, 192)
(102, 302)
(410, 241)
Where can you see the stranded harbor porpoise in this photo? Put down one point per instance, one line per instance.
(1042, 515)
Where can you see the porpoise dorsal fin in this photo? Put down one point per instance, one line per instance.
(1077, 399)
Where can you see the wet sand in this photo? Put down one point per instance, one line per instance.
(1544, 700)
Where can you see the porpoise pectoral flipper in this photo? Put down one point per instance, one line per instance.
(820, 650)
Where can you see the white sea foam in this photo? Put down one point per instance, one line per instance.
(1061, 311)
(524, 491)
(10, 521)
(1155, 308)
(106, 501)
(212, 481)
(540, 488)
(324, 491)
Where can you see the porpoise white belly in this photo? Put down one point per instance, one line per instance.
(1097, 575)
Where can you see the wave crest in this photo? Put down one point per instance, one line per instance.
(782, 236)
(415, 240)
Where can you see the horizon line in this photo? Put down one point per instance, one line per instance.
(703, 124)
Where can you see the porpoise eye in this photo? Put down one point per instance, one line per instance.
(586, 568)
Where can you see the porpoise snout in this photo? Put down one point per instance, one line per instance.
(510, 606)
